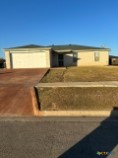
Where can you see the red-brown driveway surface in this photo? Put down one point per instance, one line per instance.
(15, 90)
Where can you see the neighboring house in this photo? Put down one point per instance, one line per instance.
(113, 60)
(34, 56)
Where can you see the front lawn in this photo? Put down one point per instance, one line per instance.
(68, 98)
(54, 75)
(76, 74)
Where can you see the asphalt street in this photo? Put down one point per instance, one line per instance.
(63, 137)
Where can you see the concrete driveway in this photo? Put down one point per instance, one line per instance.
(16, 88)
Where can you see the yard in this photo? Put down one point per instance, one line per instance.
(68, 98)
(76, 74)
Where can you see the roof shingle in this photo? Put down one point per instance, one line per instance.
(61, 47)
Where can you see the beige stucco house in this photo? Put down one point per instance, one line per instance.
(34, 56)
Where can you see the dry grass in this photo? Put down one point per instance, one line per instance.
(54, 75)
(76, 74)
(78, 98)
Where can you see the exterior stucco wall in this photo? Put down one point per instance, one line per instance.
(87, 58)
(48, 63)
(8, 61)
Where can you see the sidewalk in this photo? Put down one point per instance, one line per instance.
(80, 84)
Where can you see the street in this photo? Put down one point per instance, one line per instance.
(63, 137)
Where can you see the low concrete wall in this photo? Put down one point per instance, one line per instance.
(77, 98)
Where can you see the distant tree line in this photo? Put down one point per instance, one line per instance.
(2, 63)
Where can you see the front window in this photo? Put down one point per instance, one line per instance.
(96, 56)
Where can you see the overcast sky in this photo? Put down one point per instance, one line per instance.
(45, 22)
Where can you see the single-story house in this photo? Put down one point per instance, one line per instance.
(35, 56)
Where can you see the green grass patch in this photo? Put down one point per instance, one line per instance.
(76, 98)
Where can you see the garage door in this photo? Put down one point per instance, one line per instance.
(28, 60)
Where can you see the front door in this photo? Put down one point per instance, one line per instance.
(60, 60)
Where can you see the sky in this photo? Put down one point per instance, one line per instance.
(47, 22)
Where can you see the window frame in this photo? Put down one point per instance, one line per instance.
(96, 56)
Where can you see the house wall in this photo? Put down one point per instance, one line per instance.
(48, 56)
(27, 58)
(87, 58)
(114, 61)
(8, 62)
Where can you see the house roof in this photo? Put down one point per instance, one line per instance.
(74, 47)
(26, 46)
(61, 47)
(113, 56)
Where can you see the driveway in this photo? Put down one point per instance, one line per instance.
(16, 90)
(64, 137)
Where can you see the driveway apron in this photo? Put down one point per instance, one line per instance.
(15, 90)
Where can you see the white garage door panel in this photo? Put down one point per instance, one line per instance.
(28, 60)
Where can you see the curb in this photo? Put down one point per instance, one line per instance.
(34, 101)
(109, 113)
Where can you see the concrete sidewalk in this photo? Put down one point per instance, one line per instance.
(80, 84)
